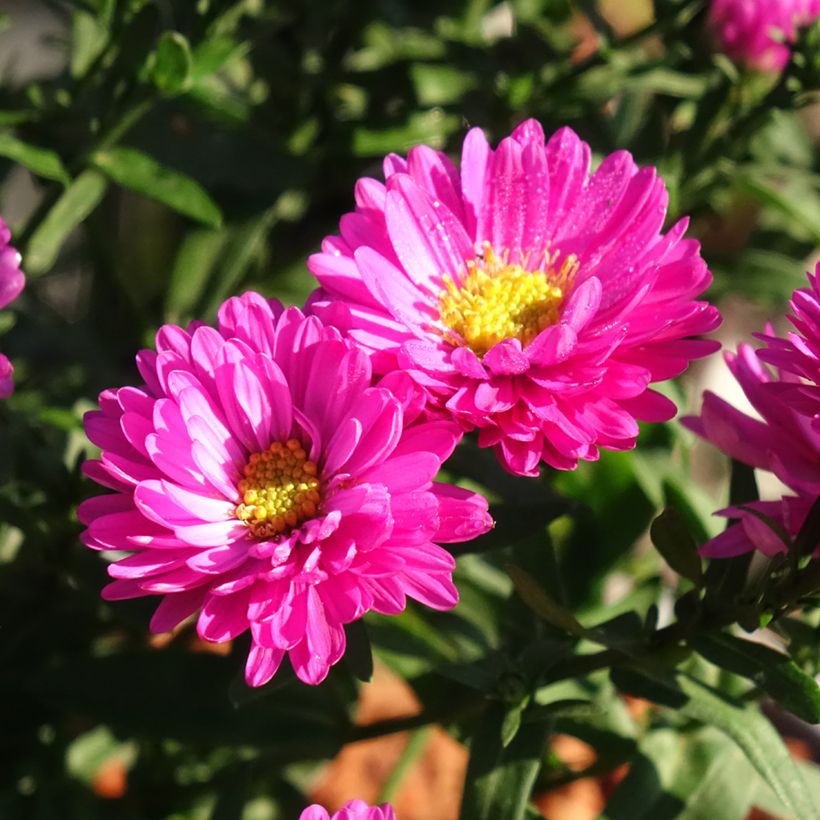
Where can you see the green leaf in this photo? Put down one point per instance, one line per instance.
(89, 751)
(39, 161)
(765, 799)
(745, 724)
(244, 243)
(429, 127)
(671, 537)
(545, 606)
(511, 723)
(772, 671)
(500, 779)
(693, 776)
(139, 172)
(195, 260)
(801, 207)
(172, 64)
(440, 84)
(89, 38)
(75, 204)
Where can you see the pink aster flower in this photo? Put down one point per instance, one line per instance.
(530, 299)
(261, 481)
(785, 440)
(354, 810)
(11, 283)
(757, 32)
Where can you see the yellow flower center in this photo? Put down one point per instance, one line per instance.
(496, 300)
(280, 489)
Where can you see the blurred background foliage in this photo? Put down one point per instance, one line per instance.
(157, 156)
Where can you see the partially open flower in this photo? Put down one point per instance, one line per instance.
(784, 441)
(11, 283)
(530, 298)
(758, 32)
(261, 480)
(354, 810)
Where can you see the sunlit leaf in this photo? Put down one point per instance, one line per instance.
(139, 172)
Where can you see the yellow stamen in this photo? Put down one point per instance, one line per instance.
(279, 489)
(497, 300)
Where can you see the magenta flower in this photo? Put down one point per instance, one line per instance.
(354, 810)
(12, 281)
(785, 441)
(758, 32)
(529, 298)
(261, 480)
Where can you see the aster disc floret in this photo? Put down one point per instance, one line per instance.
(12, 281)
(782, 382)
(530, 298)
(262, 481)
(757, 33)
(354, 810)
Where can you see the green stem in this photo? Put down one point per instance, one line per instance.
(410, 754)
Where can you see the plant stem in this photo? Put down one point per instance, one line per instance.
(410, 754)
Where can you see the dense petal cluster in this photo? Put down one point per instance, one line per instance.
(262, 480)
(531, 299)
(757, 32)
(786, 438)
(354, 810)
(12, 281)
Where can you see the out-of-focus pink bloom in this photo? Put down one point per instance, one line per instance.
(530, 298)
(261, 480)
(785, 441)
(354, 810)
(11, 283)
(758, 32)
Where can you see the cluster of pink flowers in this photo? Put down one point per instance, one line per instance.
(785, 440)
(276, 474)
(354, 810)
(757, 33)
(12, 281)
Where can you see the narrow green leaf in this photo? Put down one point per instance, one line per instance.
(139, 172)
(500, 779)
(745, 724)
(803, 210)
(89, 37)
(676, 775)
(671, 537)
(244, 243)
(195, 261)
(566, 708)
(75, 204)
(89, 751)
(173, 64)
(543, 605)
(772, 671)
(764, 799)
(39, 161)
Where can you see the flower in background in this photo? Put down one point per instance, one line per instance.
(261, 480)
(785, 440)
(529, 298)
(758, 32)
(12, 281)
(354, 810)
